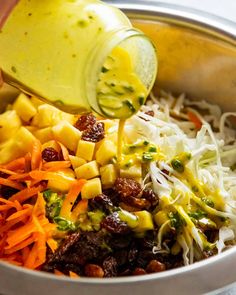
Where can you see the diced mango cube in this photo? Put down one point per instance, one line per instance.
(88, 170)
(135, 171)
(67, 135)
(160, 217)
(44, 134)
(145, 221)
(108, 175)
(10, 124)
(109, 124)
(106, 152)
(85, 150)
(49, 116)
(76, 161)
(91, 189)
(16, 147)
(63, 180)
(24, 107)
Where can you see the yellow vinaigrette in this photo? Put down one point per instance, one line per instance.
(120, 92)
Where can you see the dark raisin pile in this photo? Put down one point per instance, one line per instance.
(113, 250)
(100, 254)
(92, 130)
(85, 122)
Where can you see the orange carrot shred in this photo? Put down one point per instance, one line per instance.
(27, 162)
(64, 151)
(18, 164)
(25, 212)
(73, 275)
(71, 197)
(25, 194)
(36, 159)
(11, 183)
(58, 273)
(9, 172)
(80, 208)
(53, 245)
(56, 165)
(20, 246)
(196, 121)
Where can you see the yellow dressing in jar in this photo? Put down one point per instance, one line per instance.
(63, 49)
(120, 92)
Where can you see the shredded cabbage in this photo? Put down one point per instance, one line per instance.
(209, 187)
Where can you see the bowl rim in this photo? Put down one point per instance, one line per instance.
(129, 279)
(226, 30)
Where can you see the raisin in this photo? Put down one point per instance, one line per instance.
(95, 133)
(127, 187)
(150, 196)
(113, 224)
(120, 241)
(121, 257)
(139, 271)
(65, 247)
(101, 202)
(49, 154)
(93, 270)
(148, 242)
(138, 203)
(110, 267)
(113, 196)
(78, 249)
(85, 122)
(155, 266)
(144, 256)
(126, 272)
(132, 255)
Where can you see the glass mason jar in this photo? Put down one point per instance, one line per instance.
(55, 49)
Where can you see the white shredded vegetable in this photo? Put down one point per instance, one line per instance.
(210, 185)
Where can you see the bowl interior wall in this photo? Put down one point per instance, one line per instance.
(194, 61)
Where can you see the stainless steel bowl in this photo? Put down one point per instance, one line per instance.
(197, 55)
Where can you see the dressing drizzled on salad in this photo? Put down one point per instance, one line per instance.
(168, 201)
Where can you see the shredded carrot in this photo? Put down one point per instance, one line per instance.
(25, 230)
(80, 208)
(64, 151)
(56, 165)
(20, 176)
(25, 243)
(26, 194)
(58, 273)
(18, 164)
(25, 253)
(196, 121)
(36, 159)
(27, 162)
(73, 275)
(10, 183)
(31, 259)
(71, 197)
(9, 172)
(53, 245)
(24, 212)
